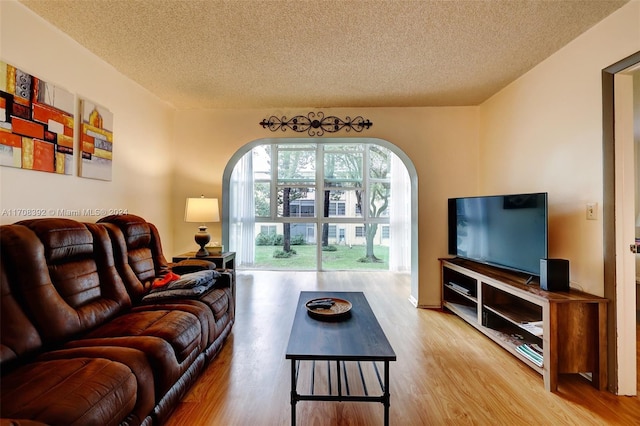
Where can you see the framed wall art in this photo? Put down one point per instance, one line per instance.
(36, 123)
(96, 141)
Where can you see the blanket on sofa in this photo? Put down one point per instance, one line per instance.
(188, 285)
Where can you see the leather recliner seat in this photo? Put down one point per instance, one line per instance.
(139, 259)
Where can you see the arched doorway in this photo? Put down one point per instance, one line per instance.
(329, 193)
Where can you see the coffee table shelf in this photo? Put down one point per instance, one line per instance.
(340, 378)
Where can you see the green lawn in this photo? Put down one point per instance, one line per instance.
(344, 258)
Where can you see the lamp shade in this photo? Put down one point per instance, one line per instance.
(201, 210)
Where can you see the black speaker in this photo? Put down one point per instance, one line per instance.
(554, 274)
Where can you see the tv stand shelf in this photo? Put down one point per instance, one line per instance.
(513, 314)
(551, 332)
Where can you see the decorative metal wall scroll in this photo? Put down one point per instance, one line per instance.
(316, 124)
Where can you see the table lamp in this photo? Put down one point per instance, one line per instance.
(202, 210)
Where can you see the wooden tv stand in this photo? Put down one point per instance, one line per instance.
(568, 328)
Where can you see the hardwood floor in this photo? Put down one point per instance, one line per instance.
(446, 372)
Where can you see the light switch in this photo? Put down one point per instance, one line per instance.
(592, 211)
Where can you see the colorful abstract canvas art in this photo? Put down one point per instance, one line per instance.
(96, 138)
(36, 123)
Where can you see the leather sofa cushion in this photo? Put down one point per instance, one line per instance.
(194, 307)
(180, 329)
(137, 362)
(80, 391)
(140, 241)
(65, 296)
(166, 369)
(63, 239)
(142, 264)
(171, 341)
(136, 230)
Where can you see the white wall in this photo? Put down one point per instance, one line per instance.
(143, 141)
(441, 143)
(544, 133)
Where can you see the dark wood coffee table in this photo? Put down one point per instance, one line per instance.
(352, 348)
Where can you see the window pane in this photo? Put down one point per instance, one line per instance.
(342, 203)
(342, 250)
(296, 202)
(269, 246)
(296, 166)
(379, 162)
(262, 198)
(343, 166)
(379, 199)
(262, 162)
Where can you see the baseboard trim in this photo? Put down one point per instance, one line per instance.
(415, 304)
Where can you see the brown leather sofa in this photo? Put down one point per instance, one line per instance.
(79, 345)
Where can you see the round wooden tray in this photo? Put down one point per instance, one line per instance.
(340, 309)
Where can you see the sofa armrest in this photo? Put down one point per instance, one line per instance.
(224, 280)
(191, 265)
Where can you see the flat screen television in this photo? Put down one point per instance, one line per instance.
(507, 231)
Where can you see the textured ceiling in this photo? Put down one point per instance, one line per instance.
(323, 53)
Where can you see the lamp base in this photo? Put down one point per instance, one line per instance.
(202, 238)
(202, 252)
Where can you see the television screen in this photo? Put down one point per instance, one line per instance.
(508, 231)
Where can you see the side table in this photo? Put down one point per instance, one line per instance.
(226, 260)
